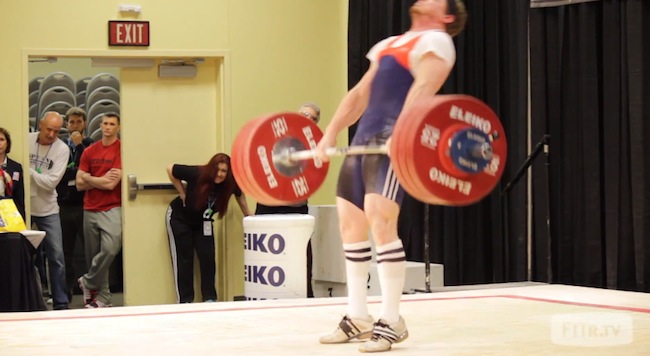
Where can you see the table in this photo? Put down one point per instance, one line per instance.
(19, 287)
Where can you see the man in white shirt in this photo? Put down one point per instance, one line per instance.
(48, 158)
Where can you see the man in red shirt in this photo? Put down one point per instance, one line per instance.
(100, 175)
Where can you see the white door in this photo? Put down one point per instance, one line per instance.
(167, 120)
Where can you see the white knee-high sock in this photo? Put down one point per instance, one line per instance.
(391, 268)
(357, 266)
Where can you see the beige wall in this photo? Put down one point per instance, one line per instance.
(278, 54)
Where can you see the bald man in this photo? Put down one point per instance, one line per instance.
(48, 158)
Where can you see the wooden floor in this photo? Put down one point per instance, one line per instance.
(530, 320)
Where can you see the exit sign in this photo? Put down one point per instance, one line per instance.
(128, 33)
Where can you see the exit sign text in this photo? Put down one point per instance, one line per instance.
(128, 33)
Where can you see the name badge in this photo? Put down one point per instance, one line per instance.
(207, 228)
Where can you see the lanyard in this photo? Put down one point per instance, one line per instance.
(40, 163)
(73, 150)
(212, 198)
(72, 146)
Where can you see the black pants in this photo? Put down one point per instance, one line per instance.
(261, 209)
(184, 239)
(72, 223)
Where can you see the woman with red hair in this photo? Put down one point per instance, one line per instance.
(189, 221)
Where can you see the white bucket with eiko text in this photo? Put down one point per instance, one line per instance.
(275, 255)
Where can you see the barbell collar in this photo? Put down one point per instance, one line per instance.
(481, 151)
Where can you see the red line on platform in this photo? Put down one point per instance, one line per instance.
(602, 306)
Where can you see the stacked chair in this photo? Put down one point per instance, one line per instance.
(34, 87)
(102, 96)
(59, 92)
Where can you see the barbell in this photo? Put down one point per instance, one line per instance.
(450, 150)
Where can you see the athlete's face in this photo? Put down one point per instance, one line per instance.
(431, 8)
(222, 172)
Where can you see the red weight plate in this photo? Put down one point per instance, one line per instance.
(433, 137)
(247, 173)
(400, 140)
(427, 167)
(286, 185)
(404, 132)
(246, 144)
(240, 168)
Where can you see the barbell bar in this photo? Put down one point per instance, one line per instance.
(289, 156)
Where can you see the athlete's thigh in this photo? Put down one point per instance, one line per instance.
(350, 185)
(378, 175)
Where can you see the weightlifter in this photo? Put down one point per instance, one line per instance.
(404, 70)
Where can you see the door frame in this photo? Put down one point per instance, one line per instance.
(226, 85)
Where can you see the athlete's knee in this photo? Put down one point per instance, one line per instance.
(347, 230)
(352, 223)
(353, 227)
(382, 225)
(382, 219)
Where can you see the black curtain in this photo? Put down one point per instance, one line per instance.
(590, 92)
(484, 242)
